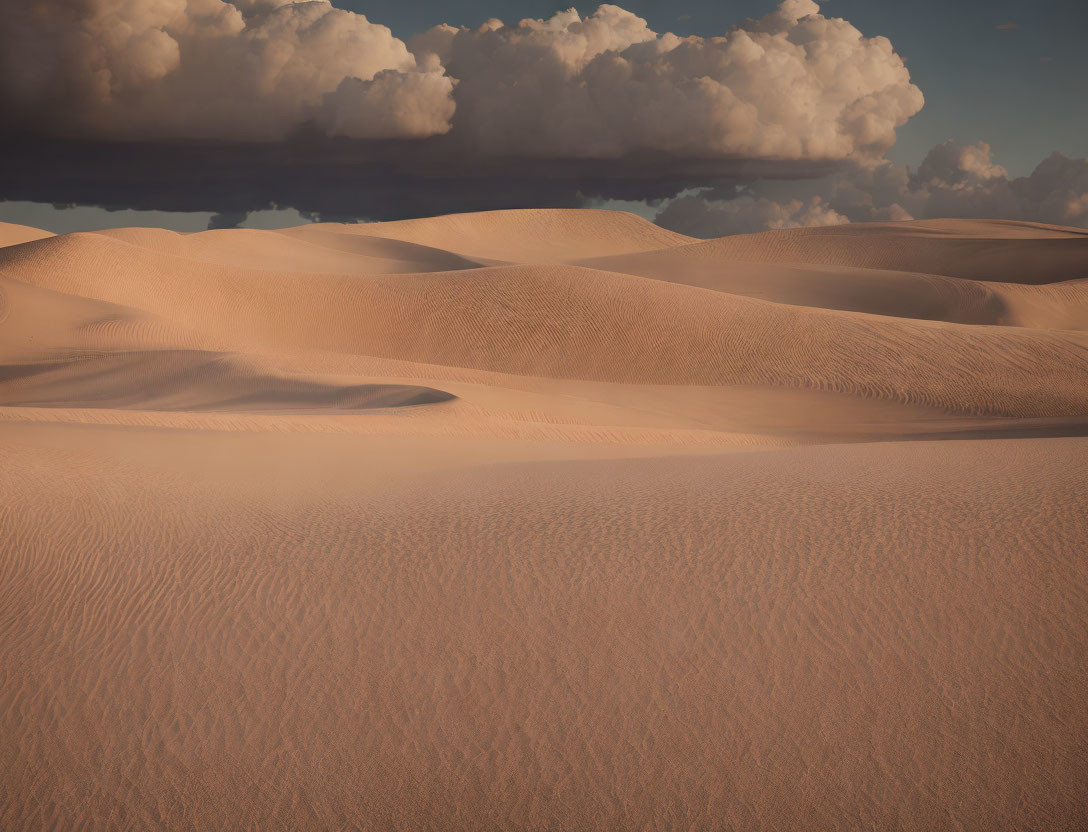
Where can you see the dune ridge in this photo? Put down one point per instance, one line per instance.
(999, 252)
(560, 321)
(544, 520)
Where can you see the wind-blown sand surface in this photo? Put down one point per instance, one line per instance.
(544, 520)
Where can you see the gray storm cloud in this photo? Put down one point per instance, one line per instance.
(792, 85)
(953, 181)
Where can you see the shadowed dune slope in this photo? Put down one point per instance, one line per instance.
(168, 380)
(1062, 305)
(883, 636)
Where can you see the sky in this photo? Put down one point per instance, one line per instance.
(1020, 89)
(192, 114)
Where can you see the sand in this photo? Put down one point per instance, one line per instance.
(544, 520)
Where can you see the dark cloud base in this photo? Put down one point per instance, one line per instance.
(347, 180)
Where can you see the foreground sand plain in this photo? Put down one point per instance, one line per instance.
(548, 520)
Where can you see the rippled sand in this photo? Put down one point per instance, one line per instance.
(544, 520)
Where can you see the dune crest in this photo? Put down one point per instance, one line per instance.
(12, 234)
(526, 236)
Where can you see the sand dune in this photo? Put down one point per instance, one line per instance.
(40, 323)
(998, 252)
(306, 249)
(191, 380)
(544, 520)
(561, 321)
(877, 291)
(885, 635)
(12, 234)
(527, 236)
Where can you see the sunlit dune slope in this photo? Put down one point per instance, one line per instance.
(12, 234)
(527, 236)
(40, 323)
(307, 249)
(885, 636)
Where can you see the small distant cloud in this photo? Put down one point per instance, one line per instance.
(684, 17)
(228, 219)
(953, 181)
(1007, 27)
(1046, 59)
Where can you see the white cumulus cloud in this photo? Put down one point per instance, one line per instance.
(791, 85)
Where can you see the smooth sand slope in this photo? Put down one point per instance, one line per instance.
(544, 520)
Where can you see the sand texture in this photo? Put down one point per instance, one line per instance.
(544, 520)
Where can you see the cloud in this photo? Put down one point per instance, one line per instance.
(229, 220)
(233, 107)
(230, 107)
(343, 179)
(950, 165)
(962, 181)
(791, 85)
(184, 69)
(952, 181)
(1007, 27)
(391, 105)
(744, 215)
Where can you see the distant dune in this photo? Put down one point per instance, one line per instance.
(12, 234)
(544, 520)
